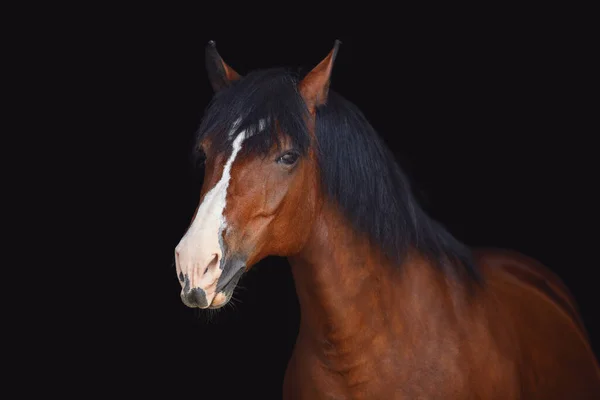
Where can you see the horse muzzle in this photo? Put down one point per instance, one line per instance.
(213, 294)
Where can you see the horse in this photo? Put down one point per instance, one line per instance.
(392, 305)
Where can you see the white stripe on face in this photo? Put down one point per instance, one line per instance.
(252, 130)
(199, 252)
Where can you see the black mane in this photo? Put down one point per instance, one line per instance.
(267, 95)
(357, 169)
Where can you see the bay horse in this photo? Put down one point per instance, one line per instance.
(392, 305)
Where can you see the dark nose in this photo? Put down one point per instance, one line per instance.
(194, 298)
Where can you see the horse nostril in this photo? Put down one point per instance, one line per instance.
(177, 262)
(212, 263)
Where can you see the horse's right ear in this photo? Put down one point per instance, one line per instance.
(219, 73)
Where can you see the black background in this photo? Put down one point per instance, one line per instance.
(487, 111)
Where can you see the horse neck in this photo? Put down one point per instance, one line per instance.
(348, 289)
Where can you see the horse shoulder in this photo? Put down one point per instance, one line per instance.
(552, 348)
(535, 276)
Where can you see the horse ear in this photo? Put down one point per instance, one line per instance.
(314, 88)
(219, 73)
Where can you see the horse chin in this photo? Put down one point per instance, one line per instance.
(224, 295)
(220, 300)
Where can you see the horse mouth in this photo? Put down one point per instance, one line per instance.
(225, 290)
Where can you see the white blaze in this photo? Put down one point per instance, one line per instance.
(199, 252)
(200, 248)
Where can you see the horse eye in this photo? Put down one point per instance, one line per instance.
(200, 157)
(288, 158)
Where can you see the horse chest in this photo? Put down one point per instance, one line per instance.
(368, 375)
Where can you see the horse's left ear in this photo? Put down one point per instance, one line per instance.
(314, 88)
(219, 73)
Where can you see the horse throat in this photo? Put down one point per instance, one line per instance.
(346, 291)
